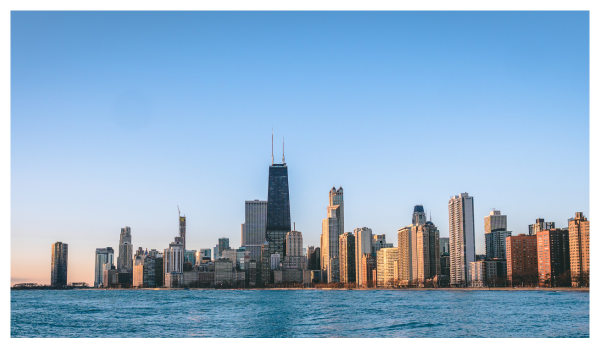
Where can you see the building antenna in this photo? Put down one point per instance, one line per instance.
(283, 150)
(178, 211)
(272, 146)
(294, 226)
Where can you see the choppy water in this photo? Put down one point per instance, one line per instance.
(262, 313)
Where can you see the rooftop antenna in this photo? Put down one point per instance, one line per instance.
(294, 226)
(272, 146)
(283, 160)
(178, 211)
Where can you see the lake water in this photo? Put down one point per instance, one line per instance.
(262, 313)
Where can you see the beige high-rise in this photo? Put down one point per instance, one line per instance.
(387, 260)
(579, 247)
(418, 253)
(363, 238)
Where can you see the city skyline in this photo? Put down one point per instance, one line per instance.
(81, 171)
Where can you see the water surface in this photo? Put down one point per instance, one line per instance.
(287, 313)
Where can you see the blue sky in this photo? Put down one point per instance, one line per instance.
(118, 117)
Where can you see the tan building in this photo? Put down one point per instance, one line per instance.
(293, 243)
(418, 254)
(404, 274)
(347, 267)
(579, 247)
(363, 238)
(330, 238)
(387, 260)
(368, 270)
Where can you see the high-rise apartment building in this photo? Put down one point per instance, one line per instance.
(254, 229)
(278, 206)
(495, 235)
(363, 238)
(330, 238)
(521, 260)
(265, 264)
(347, 260)
(418, 252)
(125, 259)
(59, 263)
(314, 258)
(540, 225)
(387, 260)
(579, 247)
(462, 238)
(103, 256)
(553, 257)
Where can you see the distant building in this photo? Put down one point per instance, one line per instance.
(521, 260)
(293, 242)
(485, 273)
(363, 245)
(159, 275)
(368, 268)
(173, 262)
(379, 243)
(540, 225)
(265, 264)
(230, 254)
(253, 273)
(182, 226)
(254, 230)
(59, 263)
(103, 256)
(347, 260)
(387, 260)
(223, 245)
(444, 245)
(216, 252)
(313, 257)
(190, 256)
(579, 250)
(553, 257)
(224, 272)
(204, 253)
(174, 279)
(275, 261)
(445, 265)
(495, 229)
(125, 260)
(419, 216)
(138, 269)
(462, 238)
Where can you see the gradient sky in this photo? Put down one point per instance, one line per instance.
(118, 117)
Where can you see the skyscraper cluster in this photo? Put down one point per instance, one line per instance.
(273, 253)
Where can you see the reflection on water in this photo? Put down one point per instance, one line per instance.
(299, 312)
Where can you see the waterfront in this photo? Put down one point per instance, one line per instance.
(289, 313)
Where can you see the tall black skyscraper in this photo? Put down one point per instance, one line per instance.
(278, 206)
(58, 272)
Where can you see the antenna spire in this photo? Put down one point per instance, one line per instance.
(178, 211)
(283, 160)
(272, 146)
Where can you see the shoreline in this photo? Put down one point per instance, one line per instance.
(558, 289)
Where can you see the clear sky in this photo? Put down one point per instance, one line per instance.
(117, 118)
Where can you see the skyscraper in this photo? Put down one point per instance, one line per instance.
(330, 238)
(182, 229)
(379, 243)
(173, 263)
(278, 206)
(495, 235)
(462, 238)
(125, 260)
(293, 245)
(363, 244)
(103, 256)
(579, 247)
(254, 230)
(347, 260)
(419, 216)
(59, 263)
(444, 245)
(521, 260)
(540, 225)
(336, 197)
